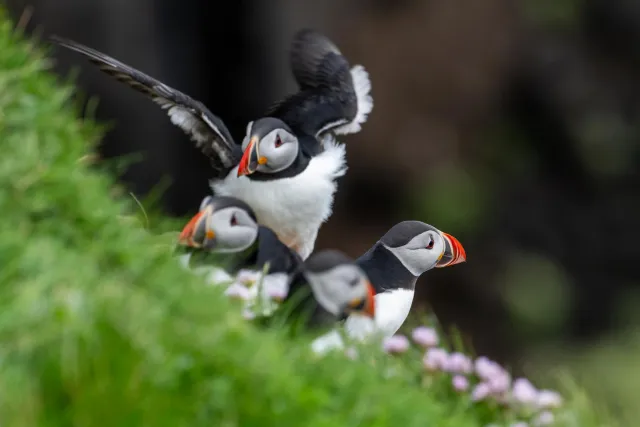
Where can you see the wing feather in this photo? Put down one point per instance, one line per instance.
(206, 129)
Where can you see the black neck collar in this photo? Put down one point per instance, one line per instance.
(385, 271)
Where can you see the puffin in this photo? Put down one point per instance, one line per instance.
(224, 239)
(394, 264)
(340, 290)
(289, 161)
(326, 288)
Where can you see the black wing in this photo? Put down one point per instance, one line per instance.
(207, 130)
(332, 97)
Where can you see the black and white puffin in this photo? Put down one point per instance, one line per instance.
(331, 286)
(289, 160)
(394, 264)
(340, 289)
(225, 233)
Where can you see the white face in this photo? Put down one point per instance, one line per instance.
(230, 230)
(276, 151)
(421, 253)
(344, 287)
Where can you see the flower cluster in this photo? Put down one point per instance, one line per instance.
(260, 293)
(482, 379)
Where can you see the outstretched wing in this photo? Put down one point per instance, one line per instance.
(207, 130)
(332, 97)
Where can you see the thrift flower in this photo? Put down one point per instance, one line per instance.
(396, 344)
(500, 381)
(237, 291)
(435, 359)
(548, 399)
(543, 419)
(247, 277)
(493, 374)
(486, 368)
(524, 392)
(425, 337)
(458, 363)
(480, 392)
(460, 383)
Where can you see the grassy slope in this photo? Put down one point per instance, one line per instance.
(99, 326)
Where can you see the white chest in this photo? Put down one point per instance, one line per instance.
(294, 208)
(392, 309)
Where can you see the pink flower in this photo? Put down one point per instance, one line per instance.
(486, 368)
(247, 277)
(460, 383)
(480, 392)
(425, 337)
(548, 399)
(458, 363)
(543, 419)
(524, 392)
(435, 359)
(499, 382)
(237, 291)
(497, 378)
(396, 344)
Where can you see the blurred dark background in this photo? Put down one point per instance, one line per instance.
(512, 125)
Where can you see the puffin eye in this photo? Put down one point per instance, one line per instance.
(234, 220)
(278, 141)
(431, 242)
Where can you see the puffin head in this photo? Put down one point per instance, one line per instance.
(222, 224)
(421, 247)
(339, 285)
(269, 147)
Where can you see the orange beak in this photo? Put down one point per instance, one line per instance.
(370, 307)
(453, 254)
(197, 233)
(186, 235)
(250, 158)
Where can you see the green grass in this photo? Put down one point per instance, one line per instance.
(99, 325)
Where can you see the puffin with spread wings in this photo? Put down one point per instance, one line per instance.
(287, 165)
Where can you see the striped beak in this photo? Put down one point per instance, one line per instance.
(453, 253)
(196, 233)
(250, 159)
